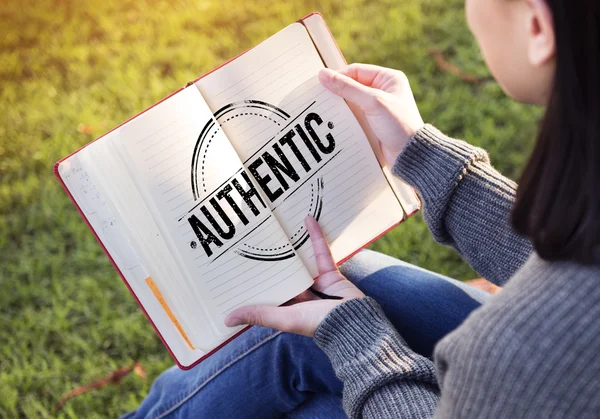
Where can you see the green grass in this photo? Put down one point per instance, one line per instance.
(65, 316)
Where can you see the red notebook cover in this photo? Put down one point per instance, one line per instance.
(57, 174)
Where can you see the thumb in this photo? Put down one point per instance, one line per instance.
(302, 318)
(257, 315)
(347, 87)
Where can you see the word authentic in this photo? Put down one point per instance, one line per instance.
(283, 173)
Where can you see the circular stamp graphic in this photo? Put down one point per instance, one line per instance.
(303, 198)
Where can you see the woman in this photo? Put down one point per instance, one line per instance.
(533, 350)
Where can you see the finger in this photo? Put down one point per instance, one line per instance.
(286, 319)
(347, 87)
(364, 73)
(323, 257)
(257, 315)
(376, 77)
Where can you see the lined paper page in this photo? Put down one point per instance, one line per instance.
(234, 250)
(333, 58)
(268, 101)
(346, 190)
(91, 197)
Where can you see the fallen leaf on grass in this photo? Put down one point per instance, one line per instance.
(85, 129)
(113, 378)
(448, 67)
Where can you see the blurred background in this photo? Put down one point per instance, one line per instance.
(72, 69)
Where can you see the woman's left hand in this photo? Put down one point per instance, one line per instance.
(303, 314)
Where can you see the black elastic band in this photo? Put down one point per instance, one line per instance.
(325, 296)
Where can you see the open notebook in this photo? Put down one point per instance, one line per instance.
(199, 201)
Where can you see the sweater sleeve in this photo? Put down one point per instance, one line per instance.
(383, 378)
(467, 203)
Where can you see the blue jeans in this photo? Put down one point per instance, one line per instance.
(267, 374)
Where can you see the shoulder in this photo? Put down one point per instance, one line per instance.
(531, 348)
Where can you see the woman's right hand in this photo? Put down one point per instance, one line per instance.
(384, 95)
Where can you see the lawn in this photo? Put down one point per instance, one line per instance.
(72, 69)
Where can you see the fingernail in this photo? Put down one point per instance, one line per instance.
(232, 321)
(326, 75)
(308, 221)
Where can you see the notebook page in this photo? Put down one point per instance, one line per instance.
(302, 144)
(107, 225)
(211, 213)
(333, 58)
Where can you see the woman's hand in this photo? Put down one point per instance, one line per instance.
(304, 313)
(385, 97)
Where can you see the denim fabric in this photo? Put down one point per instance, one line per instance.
(267, 374)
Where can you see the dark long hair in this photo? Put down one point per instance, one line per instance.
(558, 199)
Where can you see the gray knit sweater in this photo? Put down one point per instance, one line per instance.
(533, 350)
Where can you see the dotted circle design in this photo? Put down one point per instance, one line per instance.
(217, 130)
(269, 249)
(312, 194)
(312, 198)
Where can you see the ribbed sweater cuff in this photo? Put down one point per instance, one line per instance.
(352, 328)
(367, 353)
(434, 163)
